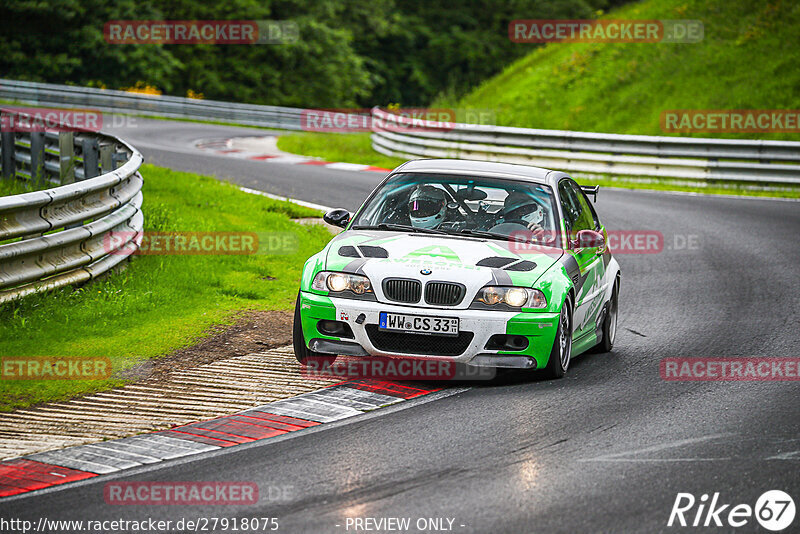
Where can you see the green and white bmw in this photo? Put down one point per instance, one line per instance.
(487, 264)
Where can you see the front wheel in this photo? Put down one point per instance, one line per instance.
(303, 354)
(561, 353)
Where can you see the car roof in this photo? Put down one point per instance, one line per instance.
(484, 168)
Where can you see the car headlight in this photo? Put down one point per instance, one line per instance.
(516, 297)
(339, 282)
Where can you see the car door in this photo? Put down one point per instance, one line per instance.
(588, 280)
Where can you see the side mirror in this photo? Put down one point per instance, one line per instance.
(589, 239)
(338, 217)
(591, 190)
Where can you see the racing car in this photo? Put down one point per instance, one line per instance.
(485, 264)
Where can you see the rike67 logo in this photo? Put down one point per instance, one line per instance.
(774, 510)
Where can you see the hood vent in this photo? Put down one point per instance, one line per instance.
(366, 251)
(349, 252)
(495, 262)
(508, 264)
(523, 265)
(373, 252)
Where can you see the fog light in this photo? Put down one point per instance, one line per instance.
(507, 342)
(335, 328)
(517, 342)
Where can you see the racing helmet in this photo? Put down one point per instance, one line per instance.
(520, 206)
(427, 206)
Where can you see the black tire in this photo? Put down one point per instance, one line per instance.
(610, 322)
(561, 354)
(303, 354)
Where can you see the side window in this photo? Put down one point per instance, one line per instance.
(569, 204)
(588, 219)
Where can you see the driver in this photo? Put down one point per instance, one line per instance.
(521, 208)
(427, 207)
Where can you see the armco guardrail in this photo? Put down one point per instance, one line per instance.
(59, 236)
(110, 101)
(763, 162)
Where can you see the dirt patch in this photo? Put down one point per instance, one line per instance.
(252, 331)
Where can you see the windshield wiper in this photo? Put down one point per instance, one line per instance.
(492, 235)
(512, 237)
(400, 228)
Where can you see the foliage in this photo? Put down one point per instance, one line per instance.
(350, 52)
(747, 60)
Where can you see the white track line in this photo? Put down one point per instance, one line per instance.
(303, 203)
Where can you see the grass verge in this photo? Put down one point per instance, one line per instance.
(160, 303)
(337, 147)
(745, 60)
(14, 187)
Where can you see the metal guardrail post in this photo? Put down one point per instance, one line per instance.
(106, 162)
(66, 156)
(90, 158)
(9, 163)
(60, 236)
(38, 177)
(118, 158)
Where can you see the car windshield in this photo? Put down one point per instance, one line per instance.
(462, 205)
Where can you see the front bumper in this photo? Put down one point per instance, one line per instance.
(539, 328)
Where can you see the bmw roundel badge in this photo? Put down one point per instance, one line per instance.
(425, 271)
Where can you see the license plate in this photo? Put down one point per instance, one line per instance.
(418, 324)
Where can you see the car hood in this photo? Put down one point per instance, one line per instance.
(474, 262)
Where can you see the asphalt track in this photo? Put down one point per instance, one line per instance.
(606, 449)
